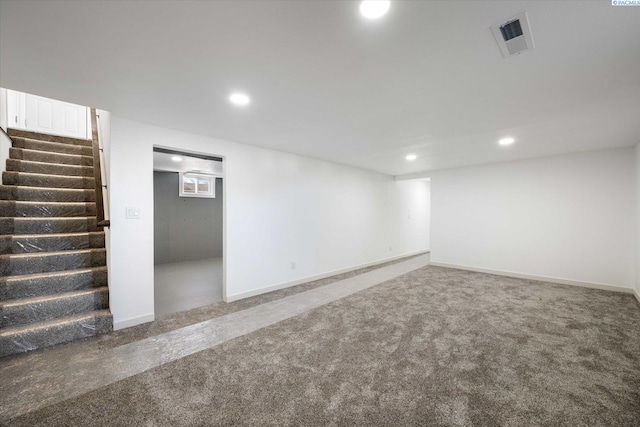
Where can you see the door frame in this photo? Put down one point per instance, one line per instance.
(224, 210)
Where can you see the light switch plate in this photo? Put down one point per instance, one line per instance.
(133, 213)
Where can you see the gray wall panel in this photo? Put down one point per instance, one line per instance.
(185, 228)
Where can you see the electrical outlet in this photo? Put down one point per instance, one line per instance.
(293, 265)
(390, 248)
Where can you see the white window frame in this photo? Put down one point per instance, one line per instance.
(211, 194)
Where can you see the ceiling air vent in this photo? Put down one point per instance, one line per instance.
(514, 35)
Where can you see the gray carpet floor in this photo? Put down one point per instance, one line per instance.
(434, 347)
(170, 322)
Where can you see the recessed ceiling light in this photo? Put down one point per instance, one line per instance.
(176, 158)
(374, 9)
(506, 141)
(411, 157)
(239, 98)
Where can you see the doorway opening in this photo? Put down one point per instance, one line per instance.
(188, 230)
(417, 228)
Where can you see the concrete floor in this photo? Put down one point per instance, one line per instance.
(185, 285)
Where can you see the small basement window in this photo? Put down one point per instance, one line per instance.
(196, 185)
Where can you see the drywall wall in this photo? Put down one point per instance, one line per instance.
(279, 209)
(104, 125)
(185, 228)
(4, 109)
(637, 187)
(567, 217)
(5, 142)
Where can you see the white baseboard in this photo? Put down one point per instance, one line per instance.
(535, 277)
(236, 297)
(134, 321)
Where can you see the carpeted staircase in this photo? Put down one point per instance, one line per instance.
(53, 274)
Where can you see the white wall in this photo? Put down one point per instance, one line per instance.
(567, 217)
(5, 143)
(279, 208)
(104, 125)
(637, 158)
(104, 122)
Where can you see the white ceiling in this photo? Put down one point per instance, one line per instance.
(427, 78)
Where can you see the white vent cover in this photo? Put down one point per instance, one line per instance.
(514, 35)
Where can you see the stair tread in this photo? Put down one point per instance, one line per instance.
(43, 141)
(22, 133)
(46, 298)
(43, 254)
(50, 219)
(52, 274)
(35, 202)
(47, 218)
(57, 159)
(52, 146)
(54, 160)
(53, 153)
(48, 164)
(54, 235)
(49, 175)
(48, 188)
(26, 193)
(17, 329)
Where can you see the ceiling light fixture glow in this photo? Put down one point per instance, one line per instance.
(176, 158)
(411, 157)
(374, 9)
(506, 141)
(239, 99)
